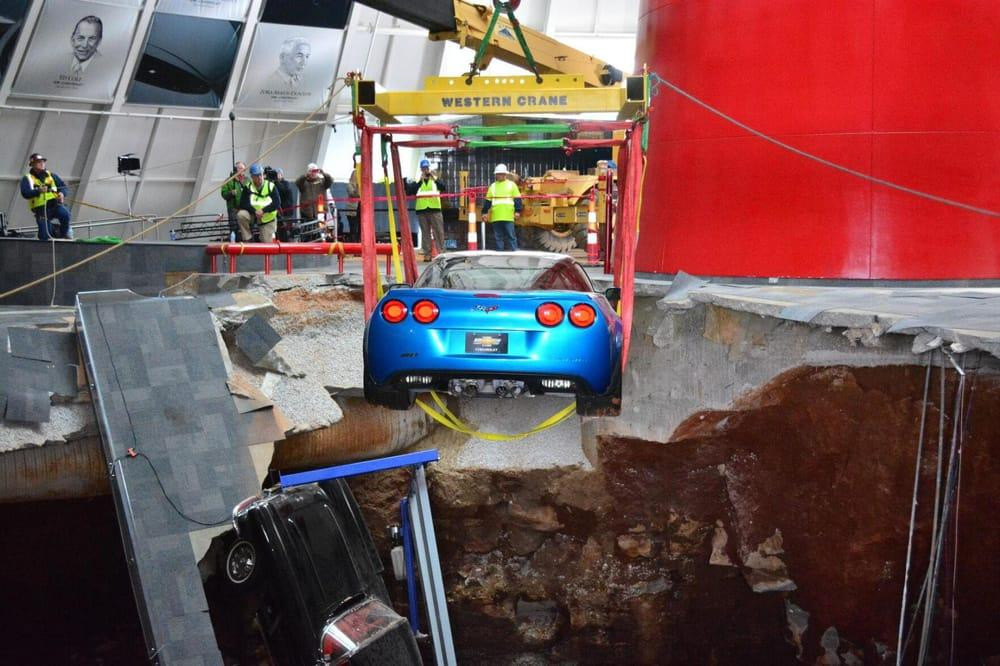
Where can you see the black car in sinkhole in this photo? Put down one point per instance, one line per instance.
(303, 561)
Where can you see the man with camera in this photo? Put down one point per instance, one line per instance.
(312, 185)
(45, 192)
(260, 204)
(428, 190)
(232, 192)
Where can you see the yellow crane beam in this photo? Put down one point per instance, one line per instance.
(502, 95)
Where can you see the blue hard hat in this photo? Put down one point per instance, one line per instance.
(256, 170)
(424, 163)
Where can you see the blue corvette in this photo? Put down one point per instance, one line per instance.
(500, 324)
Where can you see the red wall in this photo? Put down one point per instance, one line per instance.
(905, 90)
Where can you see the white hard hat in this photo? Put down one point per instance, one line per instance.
(312, 167)
(501, 168)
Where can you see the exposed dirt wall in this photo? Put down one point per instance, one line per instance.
(801, 491)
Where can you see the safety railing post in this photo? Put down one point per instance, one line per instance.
(232, 263)
(288, 263)
(609, 217)
(593, 247)
(267, 264)
(213, 263)
(340, 263)
(473, 239)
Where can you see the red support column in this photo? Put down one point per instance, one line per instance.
(232, 263)
(288, 263)
(267, 264)
(369, 267)
(214, 264)
(409, 253)
(627, 236)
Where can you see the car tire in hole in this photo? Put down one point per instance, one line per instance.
(241, 562)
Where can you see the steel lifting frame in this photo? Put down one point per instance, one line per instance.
(417, 514)
(502, 95)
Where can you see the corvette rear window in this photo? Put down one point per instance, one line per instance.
(508, 273)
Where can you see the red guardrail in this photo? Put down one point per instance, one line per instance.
(268, 250)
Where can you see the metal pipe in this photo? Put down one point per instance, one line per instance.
(365, 431)
(70, 470)
(248, 249)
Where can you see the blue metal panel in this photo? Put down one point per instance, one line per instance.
(361, 467)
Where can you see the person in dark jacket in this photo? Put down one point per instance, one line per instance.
(288, 212)
(45, 192)
(312, 184)
(261, 202)
(232, 192)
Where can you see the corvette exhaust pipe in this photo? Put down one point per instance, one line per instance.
(470, 390)
(501, 391)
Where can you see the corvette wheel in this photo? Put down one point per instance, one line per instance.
(241, 562)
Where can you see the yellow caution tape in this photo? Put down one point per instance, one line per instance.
(396, 264)
(446, 418)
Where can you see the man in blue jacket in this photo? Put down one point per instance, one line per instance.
(45, 192)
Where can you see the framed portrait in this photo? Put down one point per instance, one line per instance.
(77, 51)
(290, 68)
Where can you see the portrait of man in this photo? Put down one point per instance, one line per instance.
(87, 35)
(301, 78)
(292, 60)
(88, 67)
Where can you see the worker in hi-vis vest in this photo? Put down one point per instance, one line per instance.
(501, 208)
(428, 205)
(45, 192)
(261, 202)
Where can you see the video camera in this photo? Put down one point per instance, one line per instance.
(271, 174)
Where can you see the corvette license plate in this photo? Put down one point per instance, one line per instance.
(485, 343)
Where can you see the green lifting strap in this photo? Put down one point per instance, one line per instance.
(536, 143)
(520, 38)
(499, 6)
(500, 130)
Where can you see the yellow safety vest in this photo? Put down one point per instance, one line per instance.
(501, 195)
(427, 196)
(261, 199)
(44, 197)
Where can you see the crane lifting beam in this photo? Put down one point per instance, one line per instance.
(467, 24)
(550, 55)
(501, 95)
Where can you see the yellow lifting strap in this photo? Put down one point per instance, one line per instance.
(396, 263)
(446, 418)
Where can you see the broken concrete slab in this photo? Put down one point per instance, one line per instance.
(56, 347)
(256, 338)
(28, 406)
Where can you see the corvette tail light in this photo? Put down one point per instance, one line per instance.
(549, 314)
(353, 631)
(582, 315)
(425, 311)
(394, 311)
